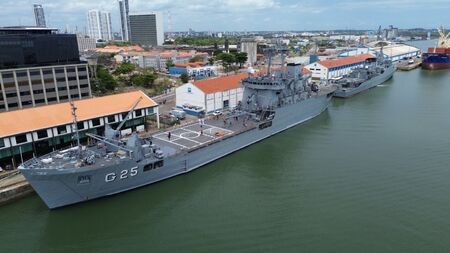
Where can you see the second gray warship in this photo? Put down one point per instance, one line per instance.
(375, 72)
(272, 102)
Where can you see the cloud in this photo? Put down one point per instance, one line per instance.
(242, 14)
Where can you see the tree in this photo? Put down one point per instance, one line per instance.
(104, 81)
(241, 58)
(211, 60)
(169, 63)
(217, 52)
(197, 58)
(227, 60)
(124, 68)
(184, 78)
(144, 80)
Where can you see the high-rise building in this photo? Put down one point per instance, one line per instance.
(124, 19)
(249, 46)
(99, 25)
(39, 15)
(146, 29)
(40, 67)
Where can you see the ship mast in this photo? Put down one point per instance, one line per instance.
(75, 127)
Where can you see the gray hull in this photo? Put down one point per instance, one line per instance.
(62, 187)
(345, 93)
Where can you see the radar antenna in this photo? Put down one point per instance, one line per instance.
(75, 127)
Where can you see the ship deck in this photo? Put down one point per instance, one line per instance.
(196, 135)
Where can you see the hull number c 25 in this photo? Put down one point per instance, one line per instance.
(124, 174)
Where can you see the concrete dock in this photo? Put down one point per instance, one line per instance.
(13, 185)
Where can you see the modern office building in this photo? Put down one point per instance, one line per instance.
(146, 29)
(124, 19)
(37, 131)
(39, 67)
(99, 25)
(39, 15)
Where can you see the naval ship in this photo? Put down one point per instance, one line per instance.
(374, 72)
(272, 102)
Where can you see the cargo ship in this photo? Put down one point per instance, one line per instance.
(438, 57)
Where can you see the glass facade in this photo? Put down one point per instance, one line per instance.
(28, 50)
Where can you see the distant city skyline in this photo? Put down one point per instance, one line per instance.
(242, 15)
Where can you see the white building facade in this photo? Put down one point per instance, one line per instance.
(212, 94)
(99, 25)
(336, 68)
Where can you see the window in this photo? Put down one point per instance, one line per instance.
(42, 134)
(111, 119)
(50, 90)
(148, 167)
(62, 129)
(84, 86)
(25, 93)
(35, 73)
(11, 95)
(96, 122)
(2, 143)
(70, 70)
(80, 125)
(13, 105)
(62, 88)
(39, 101)
(21, 138)
(47, 72)
(85, 94)
(61, 79)
(159, 164)
(59, 70)
(21, 74)
(72, 78)
(138, 113)
(38, 91)
(124, 115)
(7, 75)
(63, 97)
(73, 87)
(53, 99)
(82, 77)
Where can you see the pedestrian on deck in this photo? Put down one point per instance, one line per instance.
(169, 135)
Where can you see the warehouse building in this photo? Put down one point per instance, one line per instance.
(211, 94)
(39, 130)
(335, 68)
(394, 52)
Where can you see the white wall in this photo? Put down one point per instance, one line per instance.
(189, 94)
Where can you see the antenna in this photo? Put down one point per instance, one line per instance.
(75, 127)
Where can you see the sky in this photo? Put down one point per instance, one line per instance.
(243, 15)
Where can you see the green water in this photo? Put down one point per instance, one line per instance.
(371, 174)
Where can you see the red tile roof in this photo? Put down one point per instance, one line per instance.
(345, 61)
(42, 117)
(220, 84)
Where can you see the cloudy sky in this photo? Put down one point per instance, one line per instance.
(244, 15)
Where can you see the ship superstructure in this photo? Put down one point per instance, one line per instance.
(375, 71)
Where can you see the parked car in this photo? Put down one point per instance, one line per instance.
(179, 114)
(217, 113)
